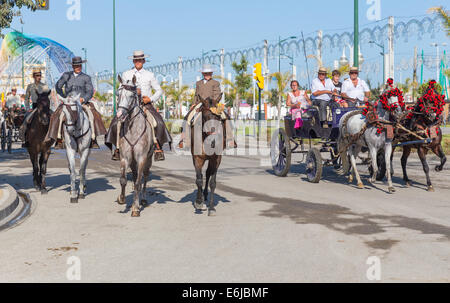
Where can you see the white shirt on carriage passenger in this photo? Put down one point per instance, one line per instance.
(317, 85)
(146, 81)
(355, 92)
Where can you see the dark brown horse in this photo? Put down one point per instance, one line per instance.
(425, 123)
(38, 149)
(207, 144)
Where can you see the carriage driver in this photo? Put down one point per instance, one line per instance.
(31, 93)
(207, 88)
(81, 83)
(145, 82)
(354, 88)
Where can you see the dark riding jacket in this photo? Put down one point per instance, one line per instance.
(81, 83)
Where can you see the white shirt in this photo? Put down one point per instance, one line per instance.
(146, 81)
(355, 92)
(317, 85)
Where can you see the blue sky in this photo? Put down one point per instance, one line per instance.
(172, 28)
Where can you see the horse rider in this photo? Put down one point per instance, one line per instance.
(145, 82)
(76, 81)
(31, 94)
(207, 88)
(322, 91)
(355, 89)
(13, 99)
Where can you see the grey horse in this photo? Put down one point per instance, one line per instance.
(354, 123)
(77, 135)
(137, 144)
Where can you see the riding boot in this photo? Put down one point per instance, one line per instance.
(159, 154)
(59, 144)
(116, 155)
(94, 144)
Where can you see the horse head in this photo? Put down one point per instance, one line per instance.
(71, 110)
(127, 97)
(43, 102)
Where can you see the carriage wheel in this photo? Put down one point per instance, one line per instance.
(314, 165)
(3, 138)
(381, 173)
(280, 153)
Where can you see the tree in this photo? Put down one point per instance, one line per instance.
(8, 12)
(243, 81)
(424, 86)
(282, 83)
(444, 15)
(176, 95)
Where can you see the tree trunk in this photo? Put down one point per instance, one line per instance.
(236, 106)
(279, 107)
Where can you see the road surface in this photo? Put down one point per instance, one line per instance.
(267, 228)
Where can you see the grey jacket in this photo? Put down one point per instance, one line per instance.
(31, 93)
(81, 84)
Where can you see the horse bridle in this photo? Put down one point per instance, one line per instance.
(73, 114)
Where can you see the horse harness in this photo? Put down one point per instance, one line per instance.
(75, 116)
(130, 119)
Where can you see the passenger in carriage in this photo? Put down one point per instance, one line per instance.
(321, 93)
(298, 102)
(355, 89)
(335, 78)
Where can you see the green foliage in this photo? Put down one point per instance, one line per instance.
(243, 80)
(8, 11)
(101, 97)
(273, 97)
(444, 15)
(424, 86)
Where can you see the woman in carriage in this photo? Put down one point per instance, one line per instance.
(298, 102)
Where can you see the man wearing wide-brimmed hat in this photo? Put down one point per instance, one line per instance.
(207, 88)
(321, 93)
(145, 81)
(31, 95)
(355, 89)
(76, 81)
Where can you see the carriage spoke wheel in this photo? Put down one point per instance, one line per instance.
(314, 165)
(280, 153)
(9, 140)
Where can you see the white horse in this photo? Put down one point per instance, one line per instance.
(77, 135)
(354, 123)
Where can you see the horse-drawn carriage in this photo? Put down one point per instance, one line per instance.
(289, 140)
(10, 123)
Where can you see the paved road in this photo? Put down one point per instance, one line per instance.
(267, 229)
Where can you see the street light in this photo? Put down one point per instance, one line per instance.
(85, 58)
(437, 57)
(279, 49)
(383, 54)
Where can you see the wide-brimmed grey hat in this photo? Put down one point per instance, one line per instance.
(207, 68)
(138, 54)
(77, 61)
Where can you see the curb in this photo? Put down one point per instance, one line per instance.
(9, 200)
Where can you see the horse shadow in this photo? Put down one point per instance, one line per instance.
(152, 196)
(193, 196)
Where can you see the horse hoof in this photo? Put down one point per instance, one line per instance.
(430, 188)
(121, 200)
(44, 191)
(135, 214)
(408, 184)
(350, 179)
(73, 200)
(143, 203)
(360, 185)
(211, 212)
(391, 189)
(81, 196)
(438, 168)
(199, 206)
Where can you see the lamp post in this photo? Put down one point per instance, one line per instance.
(114, 56)
(279, 50)
(85, 58)
(356, 35)
(383, 54)
(437, 58)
